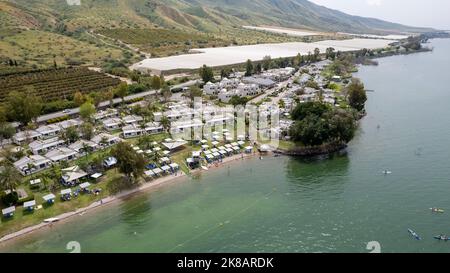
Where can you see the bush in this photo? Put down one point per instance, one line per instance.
(26, 199)
(10, 199)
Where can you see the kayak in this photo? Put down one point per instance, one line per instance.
(437, 210)
(440, 238)
(414, 234)
(51, 220)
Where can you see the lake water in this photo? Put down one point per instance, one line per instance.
(290, 205)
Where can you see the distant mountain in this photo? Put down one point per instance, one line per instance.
(199, 15)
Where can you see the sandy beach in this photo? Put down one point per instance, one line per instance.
(144, 187)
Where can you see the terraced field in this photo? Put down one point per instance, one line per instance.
(56, 84)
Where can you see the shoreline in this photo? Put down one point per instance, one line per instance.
(103, 203)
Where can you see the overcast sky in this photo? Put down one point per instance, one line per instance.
(423, 13)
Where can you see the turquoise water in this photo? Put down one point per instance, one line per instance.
(285, 204)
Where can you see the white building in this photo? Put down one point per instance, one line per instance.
(49, 131)
(61, 154)
(132, 130)
(104, 140)
(32, 164)
(112, 124)
(83, 144)
(43, 146)
(132, 119)
(23, 136)
(153, 128)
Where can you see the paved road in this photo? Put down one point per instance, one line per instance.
(75, 111)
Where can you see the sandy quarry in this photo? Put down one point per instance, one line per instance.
(239, 54)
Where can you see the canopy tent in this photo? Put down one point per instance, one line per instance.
(165, 168)
(149, 173)
(216, 154)
(157, 171)
(29, 205)
(8, 211)
(174, 166)
(214, 143)
(203, 141)
(49, 198)
(85, 185)
(174, 144)
(208, 152)
(66, 191)
(73, 174)
(241, 143)
(228, 145)
(96, 175)
(214, 150)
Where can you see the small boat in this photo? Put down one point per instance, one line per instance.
(387, 172)
(51, 220)
(442, 238)
(205, 168)
(417, 237)
(437, 210)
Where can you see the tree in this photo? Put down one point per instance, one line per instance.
(87, 110)
(298, 60)
(258, 69)
(109, 96)
(7, 131)
(330, 53)
(9, 180)
(71, 134)
(165, 123)
(267, 63)
(316, 54)
(249, 68)
(206, 73)
(79, 99)
(225, 73)
(195, 92)
(130, 163)
(155, 82)
(356, 94)
(237, 100)
(23, 106)
(87, 130)
(166, 93)
(121, 91)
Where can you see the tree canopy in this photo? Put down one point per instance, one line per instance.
(206, 73)
(130, 163)
(23, 107)
(316, 124)
(356, 93)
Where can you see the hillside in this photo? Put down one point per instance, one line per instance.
(202, 15)
(219, 22)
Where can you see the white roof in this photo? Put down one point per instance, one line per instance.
(96, 175)
(9, 210)
(28, 204)
(174, 165)
(149, 173)
(85, 185)
(165, 168)
(174, 145)
(157, 170)
(49, 196)
(66, 191)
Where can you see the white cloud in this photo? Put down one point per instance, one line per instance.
(374, 2)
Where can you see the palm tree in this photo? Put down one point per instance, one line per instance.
(165, 123)
(9, 177)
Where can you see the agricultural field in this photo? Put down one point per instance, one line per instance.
(39, 49)
(56, 84)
